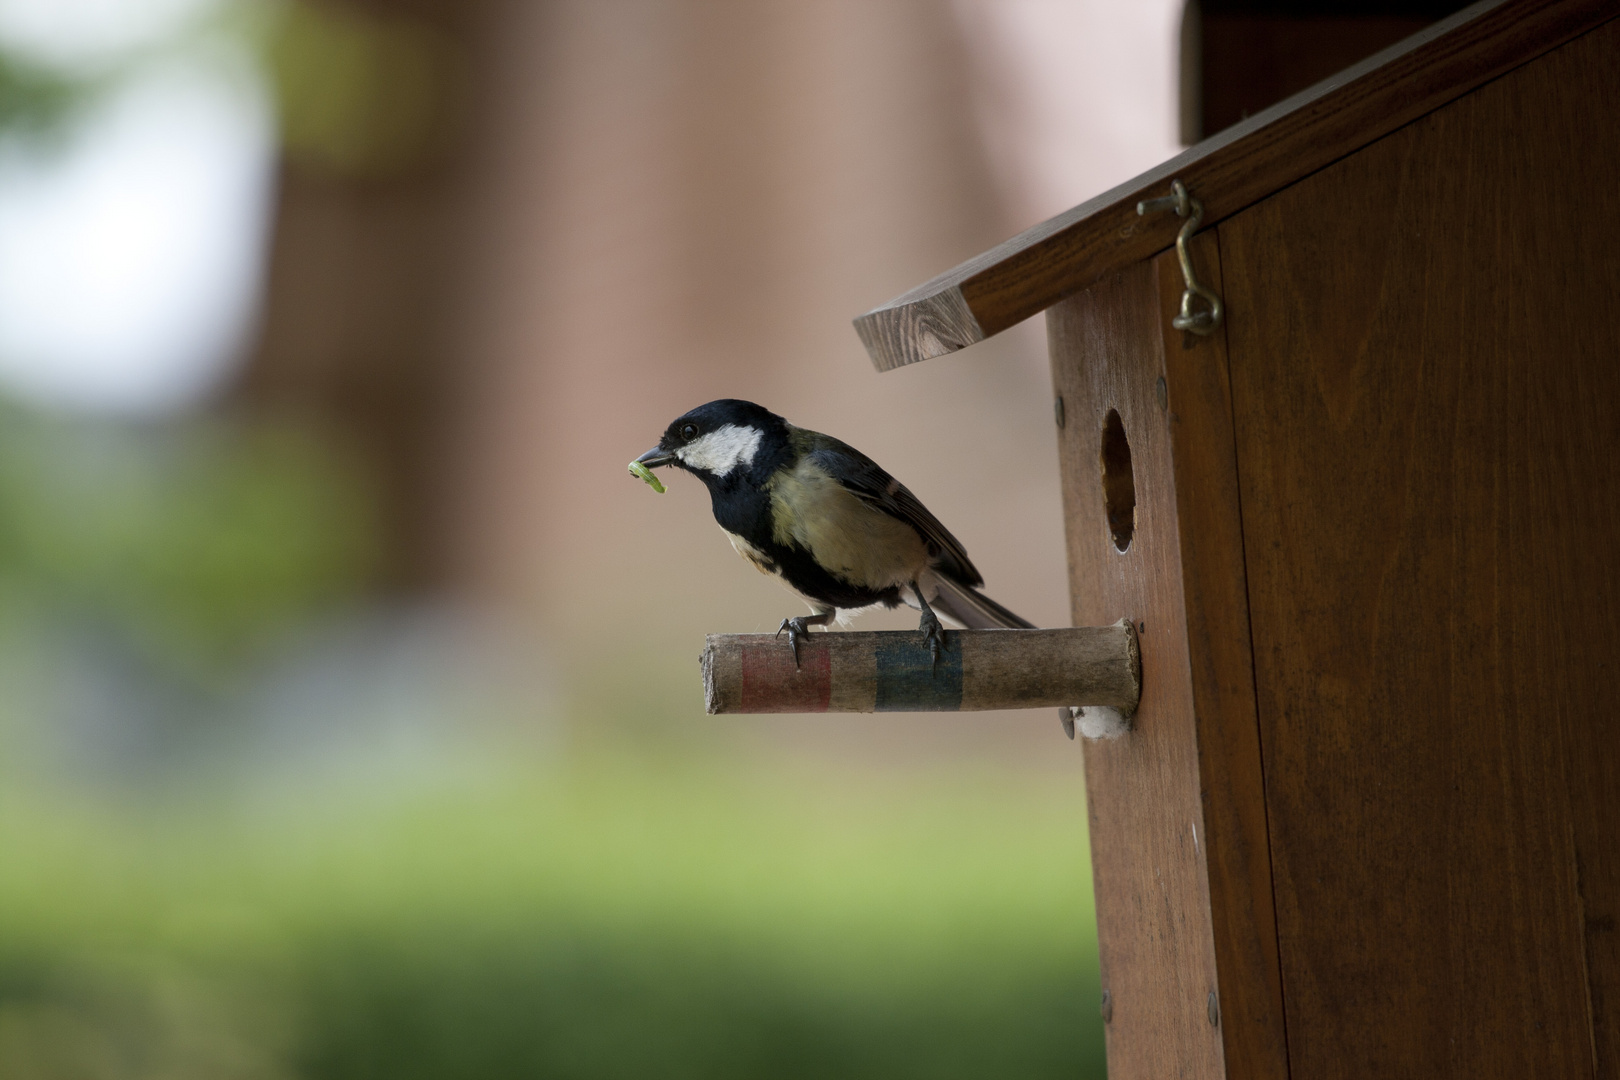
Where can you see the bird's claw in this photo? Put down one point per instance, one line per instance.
(794, 627)
(933, 635)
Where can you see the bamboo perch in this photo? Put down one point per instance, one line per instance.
(891, 671)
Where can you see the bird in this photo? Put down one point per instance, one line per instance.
(826, 520)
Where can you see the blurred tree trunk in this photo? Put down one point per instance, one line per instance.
(357, 339)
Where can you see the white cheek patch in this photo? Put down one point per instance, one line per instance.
(723, 449)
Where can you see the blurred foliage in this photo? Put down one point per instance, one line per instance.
(357, 92)
(33, 100)
(197, 543)
(607, 920)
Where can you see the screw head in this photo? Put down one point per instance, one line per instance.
(1214, 1010)
(1057, 411)
(1106, 1007)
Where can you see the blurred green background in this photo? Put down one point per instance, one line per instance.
(350, 724)
(184, 900)
(607, 918)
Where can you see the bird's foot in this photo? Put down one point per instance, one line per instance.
(801, 624)
(795, 626)
(933, 634)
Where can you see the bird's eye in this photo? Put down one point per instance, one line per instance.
(688, 431)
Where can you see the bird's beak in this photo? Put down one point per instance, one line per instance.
(655, 457)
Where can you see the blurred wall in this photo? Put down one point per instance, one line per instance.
(654, 203)
(691, 200)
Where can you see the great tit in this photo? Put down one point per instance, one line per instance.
(827, 520)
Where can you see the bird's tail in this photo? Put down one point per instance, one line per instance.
(974, 610)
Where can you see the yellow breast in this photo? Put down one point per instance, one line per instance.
(849, 538)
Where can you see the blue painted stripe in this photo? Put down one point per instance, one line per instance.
(907, 680)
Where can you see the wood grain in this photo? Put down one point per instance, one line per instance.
(1229, 172)
(892, 671)
(1215, 595)
(1146, 815)
(1426, 396)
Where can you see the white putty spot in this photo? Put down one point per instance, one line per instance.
(1102, 722)
(722, 449)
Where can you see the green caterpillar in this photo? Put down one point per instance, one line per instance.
(638, 469)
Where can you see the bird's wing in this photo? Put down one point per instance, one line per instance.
(867, 481)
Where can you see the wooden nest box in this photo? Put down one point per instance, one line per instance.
(1367, 822)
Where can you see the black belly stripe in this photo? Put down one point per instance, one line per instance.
(811, 579)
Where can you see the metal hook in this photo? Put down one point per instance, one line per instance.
(1185, 206)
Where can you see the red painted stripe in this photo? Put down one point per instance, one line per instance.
(770, 682)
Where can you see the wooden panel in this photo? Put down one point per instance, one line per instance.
(1215, 594)
(1229, 172)
(1423, 347)
(1153, 915)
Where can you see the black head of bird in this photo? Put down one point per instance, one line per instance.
(826, 520)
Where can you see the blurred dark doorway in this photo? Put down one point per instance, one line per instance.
(1241, 56)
